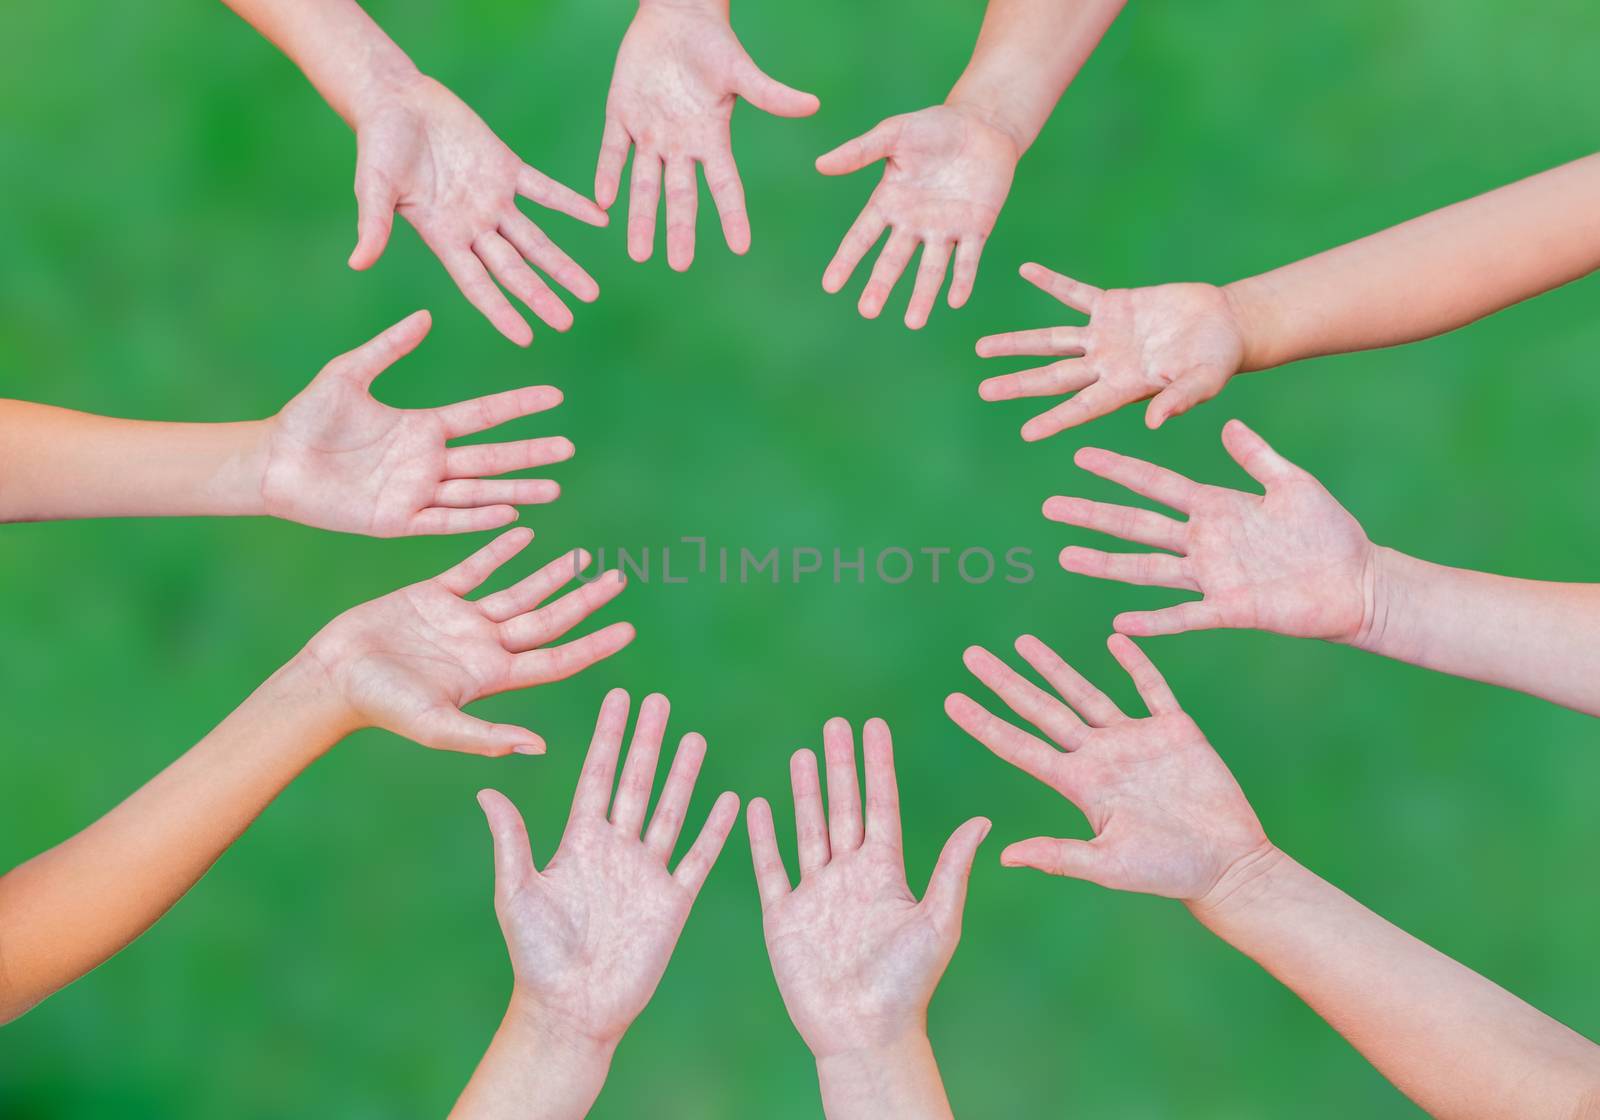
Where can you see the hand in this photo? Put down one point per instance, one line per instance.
(947, 175)
(420, 151)
(678, 71)
(1178, 343)
(591, 934)
(1168, 817)
(1290, 561)
(410, 661)
(336, 458)
(856, 956)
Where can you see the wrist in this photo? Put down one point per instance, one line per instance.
(1254, 311)
(557, 1040)
(1383, 590)
(897, 1077)
(1247, 881)
(990, 113)
(389, 79)
(696, 7)
(310, 683)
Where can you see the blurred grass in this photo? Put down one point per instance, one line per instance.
(178, 213)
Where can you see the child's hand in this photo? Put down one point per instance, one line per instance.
(421, 152)
(856, 956)
(1168, 817)
(410, 661)
(1291, 561)
(1178, 343)
(338, 459)
(946, 175)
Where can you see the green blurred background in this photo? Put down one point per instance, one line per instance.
(178, 211)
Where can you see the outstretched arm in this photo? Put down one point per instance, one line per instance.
(1169, 819)
(948, 168)
(407, 662)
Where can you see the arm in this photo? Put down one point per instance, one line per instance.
(1181, 343)
(1169, 819)
(407, 662)
(422, 153)
(948, 168)
(590, 935)
(334, 457)
(1293, 561)
(856, 956)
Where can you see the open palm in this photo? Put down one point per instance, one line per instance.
(1291, 561)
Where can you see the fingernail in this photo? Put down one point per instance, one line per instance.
(535, 747)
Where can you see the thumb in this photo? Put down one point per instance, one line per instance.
(1256, 456)
(375, 200)
(372, 357)
(513, 857)
(772, 96)
(947, 887)
(1074, 859)
(855, 154)
(450, 729)
(1183, 394)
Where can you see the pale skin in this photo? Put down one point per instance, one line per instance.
(679, 71)
(948, 168)
(408, 662)
(1169, 819)
(423, 154)
(1177, 345)
(590, 934)
(1293, 561)
(334, 457)
(857, 957)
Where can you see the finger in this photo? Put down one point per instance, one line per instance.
(1073, 859)
(644, 193)
(613, 154)
(557, 663)
(683, 198)
(481, 460)
(376, 197)
(947, 887)
(533, 589)
(1040, 341)
(867, 148)
(862, 235)
(465, 418)
(844, 794)
(886, 273)
(593, 793)
(521, 281)
(727, 191)
(535, 186)
(513, 855)
(1179, 397)
(1025, 698)
(639, 771)
(702, 854)
(667, 821)
(1197, 614)
(535, 245)
(1152, 686)
(470, 493)
(443, 521)
(469, 573)
(930, 278)
(772, 878)
(770, 95)
(810, 826)
(1156, 483)
(1148, 569)
(363, 364)
(1028, 753)
(1142, 526)
(450, 729)
(541, 627)
(468, 272)
(883, 791)
(1256, 456)
(1046, 381)
(1076, 295)
(1094, 402)
(968, 251)
(1095, 707)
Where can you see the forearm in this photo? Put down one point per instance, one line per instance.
(338, 47)
(897, 1081)
(57, 464)
(1538, 637)
(67, 910)
(1456, 1044)
(534, 1070)
(1028, 52)
(1429, 275)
